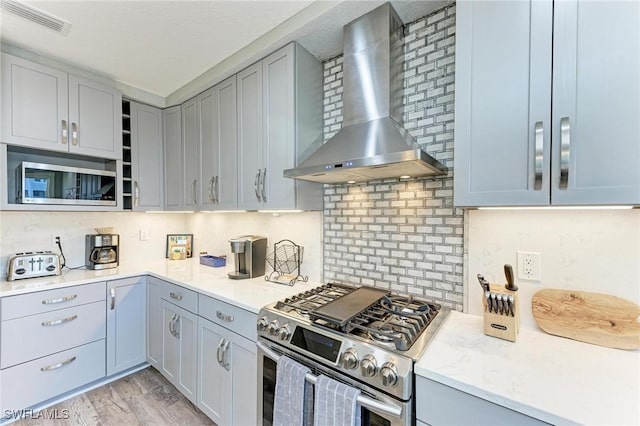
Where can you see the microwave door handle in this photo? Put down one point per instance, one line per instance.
(370, 403)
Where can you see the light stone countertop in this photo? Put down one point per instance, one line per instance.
(553, 379)
(249, 294)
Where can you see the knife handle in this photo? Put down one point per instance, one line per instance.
(508, 273)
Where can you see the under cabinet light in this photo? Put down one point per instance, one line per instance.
(223, 211)
(169, 211)
(559, 208)
(280, 211)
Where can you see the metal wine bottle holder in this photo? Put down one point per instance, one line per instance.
(285, 260)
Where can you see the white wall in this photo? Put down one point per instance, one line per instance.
(31, 231)
(212, 232)
(589, 250)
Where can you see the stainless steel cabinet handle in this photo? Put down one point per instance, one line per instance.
(113, 298)
(193, 191)
(565, 151)
(224, 317)
(176, 327)
(74, 134)
(175, 296)
(365, 401)
(226, 365)
(211, 197)
(215, 190)
(219, 353)
(56, 366)
(172, 325)
(539, 155)
(60, 300)
(60, 321)
(262, 185)
(64, 132)
(256, 185)
(136, 193)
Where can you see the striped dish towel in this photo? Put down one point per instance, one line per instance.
(335, 404)
(293, 403)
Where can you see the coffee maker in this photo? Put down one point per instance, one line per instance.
(101, 251)
(249, 255)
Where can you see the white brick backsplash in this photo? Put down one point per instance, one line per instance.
(405, 236)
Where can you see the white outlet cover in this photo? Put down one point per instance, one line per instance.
(529, 266)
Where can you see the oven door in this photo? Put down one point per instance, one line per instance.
(378, 409)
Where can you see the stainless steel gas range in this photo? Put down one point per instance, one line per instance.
(363, 337)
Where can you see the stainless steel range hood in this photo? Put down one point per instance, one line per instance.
(372, 143)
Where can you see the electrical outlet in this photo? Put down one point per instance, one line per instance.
(144, 234)
(54, 240)
(529, 267)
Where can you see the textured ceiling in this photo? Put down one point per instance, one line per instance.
(160, 46)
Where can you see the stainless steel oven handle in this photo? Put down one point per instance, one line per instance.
(364, 401)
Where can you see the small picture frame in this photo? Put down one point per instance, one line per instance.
(179, 246)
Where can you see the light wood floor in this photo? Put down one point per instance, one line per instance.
(142, 398)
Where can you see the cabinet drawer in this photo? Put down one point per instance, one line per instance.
(27, 384)
(50, 300)
(229, 316)
(27, 338)
(186, 299)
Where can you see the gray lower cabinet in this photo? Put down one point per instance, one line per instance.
(46, 108)
(279, 120)
(227, 363)
(218, 147)
(65, 348)
(179, 348)
(438, 404)
(155, 288)
(147, 168)
(126, 324)
(514, 60)
(172, 143)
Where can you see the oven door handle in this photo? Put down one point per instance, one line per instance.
(364, 401)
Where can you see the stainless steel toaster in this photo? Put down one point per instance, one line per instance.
(33, 264)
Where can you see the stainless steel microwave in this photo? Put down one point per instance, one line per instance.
(39, 183)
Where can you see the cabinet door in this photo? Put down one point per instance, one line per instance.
(215, 392)
(596, 103)
(179, 349)
(95, 116)
(146, 157)
(154, 322)
(173, 179)
(208, 104)
(34, 105)
(278, 128)
(126, 324)
(244, 361)
(226, 188)
(250, 135)
(503, 103)
(191, 153)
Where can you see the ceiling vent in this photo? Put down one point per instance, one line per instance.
(36, 16)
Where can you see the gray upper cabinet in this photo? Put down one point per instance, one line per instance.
(146, 157)
(509, 149)
(45, 108)
(218, 147)
(191, 154)
(173, 178)
(279, 119)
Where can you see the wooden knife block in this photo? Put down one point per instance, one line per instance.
(502, 326)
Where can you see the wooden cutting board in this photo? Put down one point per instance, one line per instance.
(596, 318)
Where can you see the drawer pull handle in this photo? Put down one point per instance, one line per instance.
(56, 366)
(175, 296)
(60, 321)
(224, 317)
(60, 300)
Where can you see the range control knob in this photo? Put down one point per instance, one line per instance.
(272, 329)
(389, 374)
(262, 324)
(350, 359)
(369, 366)
(284, 332)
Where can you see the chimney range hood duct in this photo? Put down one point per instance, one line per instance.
(372, 143)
